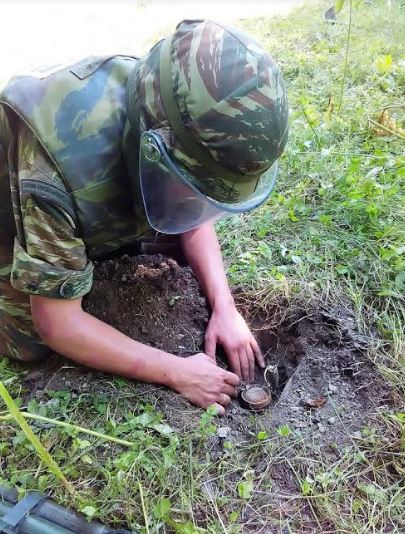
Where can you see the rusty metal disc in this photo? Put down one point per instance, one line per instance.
(256, 397)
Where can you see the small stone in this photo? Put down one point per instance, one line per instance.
(321, 427)
(357, 434)
(223, 432)
(144, 330)
(332, 388)
(332, 420)
(295, 408)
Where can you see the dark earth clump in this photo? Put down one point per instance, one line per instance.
(151, 299)
(327, 386)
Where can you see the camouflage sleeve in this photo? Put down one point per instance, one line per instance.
(49, 258)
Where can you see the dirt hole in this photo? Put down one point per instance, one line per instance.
(327, 386)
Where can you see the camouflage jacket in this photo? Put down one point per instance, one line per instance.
(72, 195)
(78, 115)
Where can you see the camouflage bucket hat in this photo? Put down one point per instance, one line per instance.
(219, 104)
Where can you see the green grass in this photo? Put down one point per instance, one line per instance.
(333, 230)
(336, 221)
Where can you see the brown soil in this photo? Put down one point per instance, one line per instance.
(326, 385)
(151, 299)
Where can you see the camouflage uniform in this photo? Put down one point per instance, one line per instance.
(56, 226)
(49, 241)
(69, 141)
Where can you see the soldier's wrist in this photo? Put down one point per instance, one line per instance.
(169, 369)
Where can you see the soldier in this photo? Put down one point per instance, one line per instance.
(96, 155)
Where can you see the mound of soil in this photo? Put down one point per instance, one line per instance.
(326, 384)
(151, 299)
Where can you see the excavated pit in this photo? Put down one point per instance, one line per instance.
(326, 384)
(327, 387)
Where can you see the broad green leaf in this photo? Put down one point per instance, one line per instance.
(292, 216)
(306, 487)
(89, 511)
(233, 516)
(357, 506)
(341, 269)
(374, 492)
(245, 489)
(162, 508)
(284, 431)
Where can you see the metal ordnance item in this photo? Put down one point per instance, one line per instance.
(37, 514)
(256, 397)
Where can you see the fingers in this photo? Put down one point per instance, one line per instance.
(258, 353)
(251, 359)
(210, 346)
(229, 390)
(233, 358)
(225, 400)
(244, 365)
(230, 378)
(220, 409)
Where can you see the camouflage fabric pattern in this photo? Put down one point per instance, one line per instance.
(50, 223)
(47, 258)
(18, 337)
(231, 97)
(78, 115)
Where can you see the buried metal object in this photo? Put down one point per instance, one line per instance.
(257, 397)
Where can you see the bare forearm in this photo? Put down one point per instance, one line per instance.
(203, 253)
(67, 329)
(88, 341)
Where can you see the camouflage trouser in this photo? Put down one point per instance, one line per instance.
(18, 337)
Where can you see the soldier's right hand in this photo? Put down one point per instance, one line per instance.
(203, 383)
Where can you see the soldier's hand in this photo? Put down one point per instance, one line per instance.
(228, 328)
(203, 383)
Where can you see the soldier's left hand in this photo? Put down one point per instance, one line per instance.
(228, 328)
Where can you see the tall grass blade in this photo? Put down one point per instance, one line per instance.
(39, 448)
